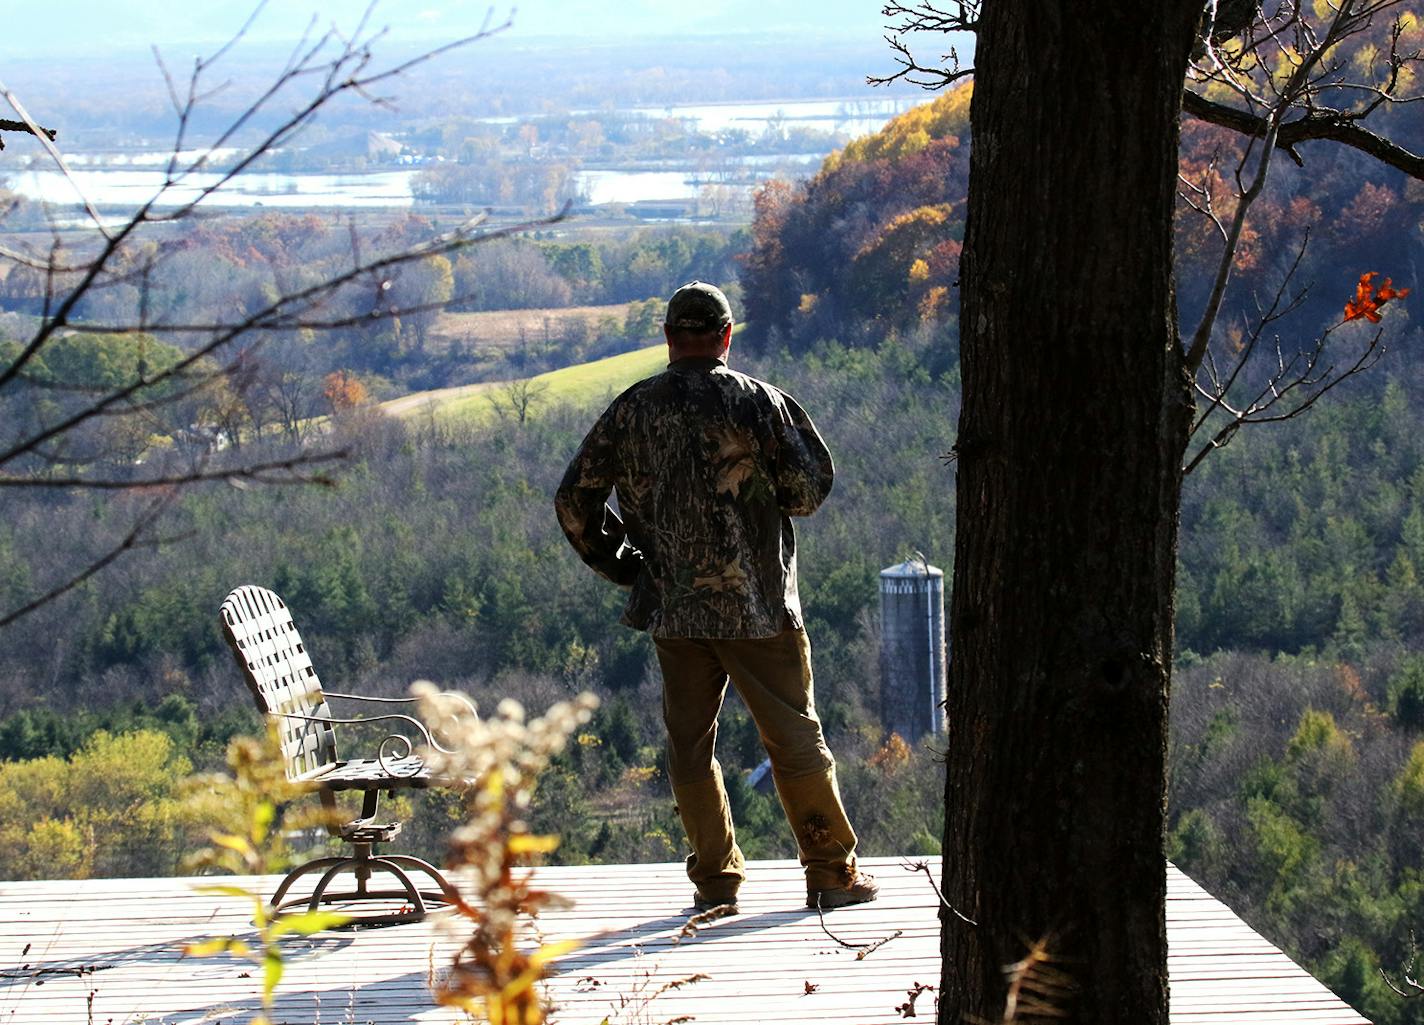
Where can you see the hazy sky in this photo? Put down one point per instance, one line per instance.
(36, 28)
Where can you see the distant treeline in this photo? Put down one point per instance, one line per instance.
(240, 265)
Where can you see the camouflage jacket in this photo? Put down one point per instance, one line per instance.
(709, 466)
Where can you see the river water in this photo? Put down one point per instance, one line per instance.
(125, 181)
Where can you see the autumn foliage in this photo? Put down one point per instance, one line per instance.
(1370, 297)
(870, 245)
(1346, 216)
(343, 391)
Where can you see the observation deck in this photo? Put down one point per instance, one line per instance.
(109, 952)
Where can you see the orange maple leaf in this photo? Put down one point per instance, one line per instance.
(1368, 299)
(1388, 291)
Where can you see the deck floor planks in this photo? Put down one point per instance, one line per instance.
(630, 915)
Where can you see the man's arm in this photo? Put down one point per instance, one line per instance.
(590, 524)
(801, 462)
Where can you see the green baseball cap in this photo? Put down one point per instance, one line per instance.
(698, 306)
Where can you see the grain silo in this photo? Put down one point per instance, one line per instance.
(912, 653)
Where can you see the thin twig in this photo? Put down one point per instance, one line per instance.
(921, 866)
(862, 950)
(47, 141)
(277, 471)
(24, 127)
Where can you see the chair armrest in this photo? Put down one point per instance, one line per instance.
(363, 697)
(394, 738)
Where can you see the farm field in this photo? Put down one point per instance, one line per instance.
(504, 329)
(578, 384)
(582, 384)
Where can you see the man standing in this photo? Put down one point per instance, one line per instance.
(709, 466)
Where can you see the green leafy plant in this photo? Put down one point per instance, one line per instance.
(255, 792)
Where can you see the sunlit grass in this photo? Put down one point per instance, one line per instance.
(586, 384)
(582, 384)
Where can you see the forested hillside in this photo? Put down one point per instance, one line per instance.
(1298, 716)
(871, 243)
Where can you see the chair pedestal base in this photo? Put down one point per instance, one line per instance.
(362, 864)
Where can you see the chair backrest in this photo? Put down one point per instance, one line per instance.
(280, 674)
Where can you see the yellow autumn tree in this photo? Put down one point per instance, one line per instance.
(910, 132)
(110, 809)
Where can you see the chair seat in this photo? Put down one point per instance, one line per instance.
(370, 832)
(370, 774)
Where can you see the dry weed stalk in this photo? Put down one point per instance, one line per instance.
(634, 1008)
(492, 978)
(1038, 991)
(253, 799)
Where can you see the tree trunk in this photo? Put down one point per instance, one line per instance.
(1069, 475)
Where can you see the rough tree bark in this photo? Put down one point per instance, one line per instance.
(1070, 449)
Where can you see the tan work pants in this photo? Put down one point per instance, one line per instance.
(773, 676)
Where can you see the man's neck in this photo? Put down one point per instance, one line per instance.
(681, 356)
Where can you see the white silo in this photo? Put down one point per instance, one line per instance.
(912, 651)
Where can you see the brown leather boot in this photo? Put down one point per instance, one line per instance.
(861, 890)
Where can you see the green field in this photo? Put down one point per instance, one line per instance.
(581, 384)
(584, 384)
(578, 385)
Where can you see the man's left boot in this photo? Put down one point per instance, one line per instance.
(826, 840)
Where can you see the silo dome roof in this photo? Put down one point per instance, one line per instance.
(912, 568)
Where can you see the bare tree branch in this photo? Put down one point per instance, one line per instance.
(1408, 973)
(1335, 125)
(53, 447)
(1286, 71)
(962, 16)
(276, 471)
(25, 127)
(1295, 387)
(1348, 19)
